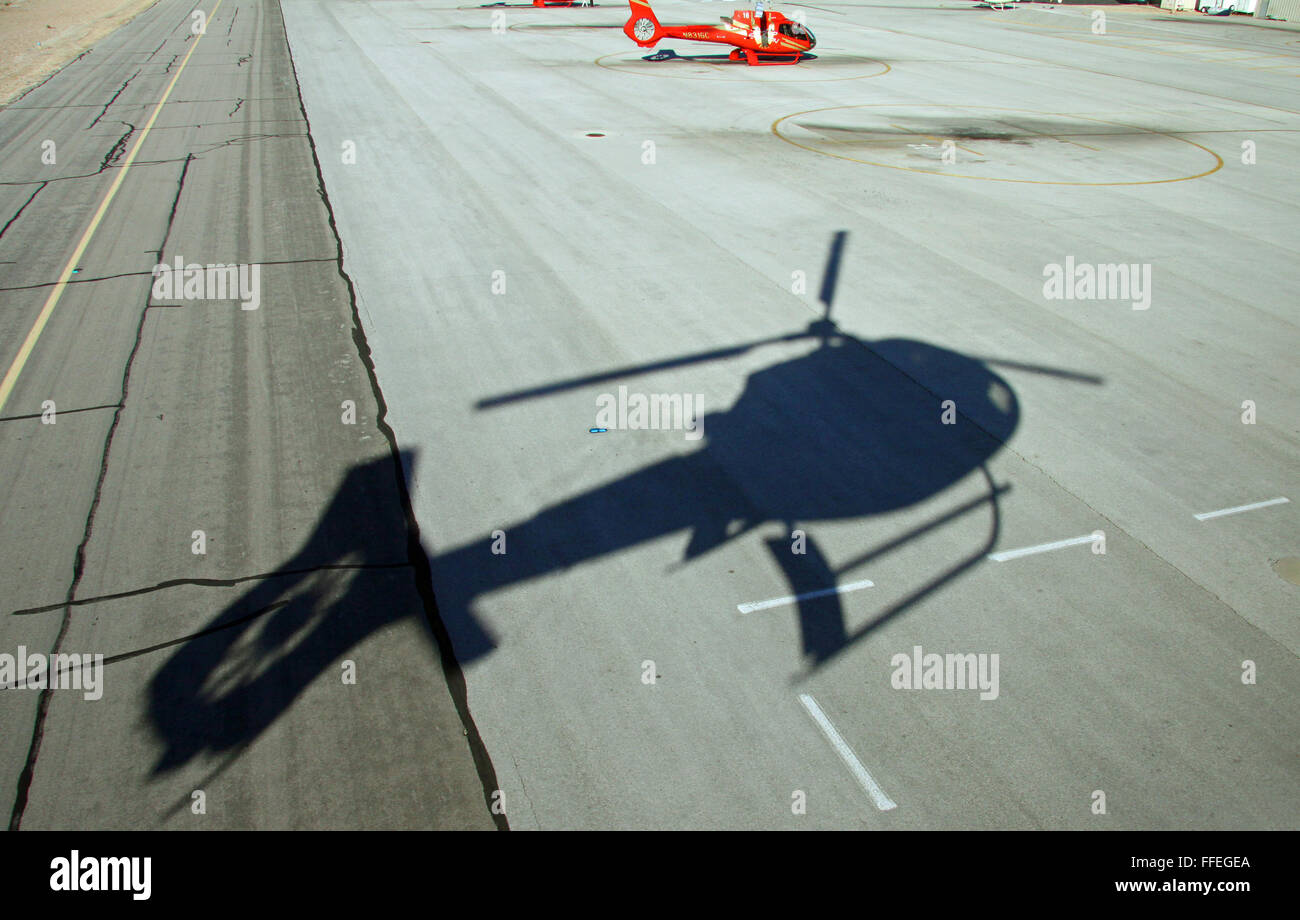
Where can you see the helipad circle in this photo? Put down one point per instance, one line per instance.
(998, 144)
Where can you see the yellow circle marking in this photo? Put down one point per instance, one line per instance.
(1218, 160)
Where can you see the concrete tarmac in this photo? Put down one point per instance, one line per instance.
(533, 203)
(842, 273)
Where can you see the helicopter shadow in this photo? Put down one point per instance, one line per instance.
(841, 433)
(851, 429)
(550, 4)
(667, 54)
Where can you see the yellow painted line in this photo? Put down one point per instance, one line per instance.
(1062, 137)
(20, 360)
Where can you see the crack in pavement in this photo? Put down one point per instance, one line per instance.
(119, 92)
(91, 105)
(198, 154)
(135, 653)
(16, 182)
(419, 559)
(19, 418)
(149, 272)
(19, 212)
(118, 149)
(210, 582)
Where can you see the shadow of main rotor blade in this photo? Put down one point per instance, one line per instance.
(574, 383)
(832, 273)
(1076, 376)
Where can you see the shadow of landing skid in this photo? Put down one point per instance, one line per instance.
(735, 57)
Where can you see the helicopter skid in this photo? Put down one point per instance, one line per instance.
(756, 59)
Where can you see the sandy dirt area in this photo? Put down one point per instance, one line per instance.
(37, 37)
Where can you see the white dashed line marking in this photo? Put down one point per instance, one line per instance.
(795, 598)
(878, 797)
(1240, 508)
(1042, 548)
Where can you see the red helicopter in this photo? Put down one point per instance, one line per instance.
(758, 36)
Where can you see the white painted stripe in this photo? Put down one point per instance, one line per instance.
(1240, 508)
(794, 598)
(1041, 548)
(878, 797)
